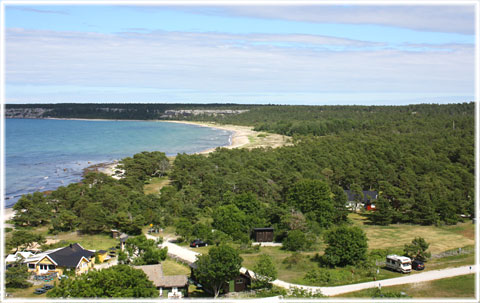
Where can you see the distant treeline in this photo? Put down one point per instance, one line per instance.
(117, 111)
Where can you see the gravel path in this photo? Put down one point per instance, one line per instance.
(190, 256)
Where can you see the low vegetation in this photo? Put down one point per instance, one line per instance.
(456, 287)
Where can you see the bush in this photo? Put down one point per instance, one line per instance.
(346, 246)
(271, 292)
(303, 293)
(318, 275)
(296, 240)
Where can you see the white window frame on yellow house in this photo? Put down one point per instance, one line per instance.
(43, 268)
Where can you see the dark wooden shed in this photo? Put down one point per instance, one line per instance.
(263, 234)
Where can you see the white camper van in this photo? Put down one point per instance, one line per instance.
(399, 263)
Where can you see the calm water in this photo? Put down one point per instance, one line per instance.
(45, 154)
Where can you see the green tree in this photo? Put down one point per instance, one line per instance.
(221, 264)
(231, 220)
(93, 218)
(340, 203)
(313, 196)
(65, 220)
(120, 281)
(417, 249)
(31, 210)
(383, 212)
(345, 246)
(296, 240)
(265, 271)
(144, 251)
(22, 239)
(16, 276)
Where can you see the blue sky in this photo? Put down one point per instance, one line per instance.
(317, 54)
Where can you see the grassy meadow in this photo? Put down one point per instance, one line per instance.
(397, 235)
(455, 287)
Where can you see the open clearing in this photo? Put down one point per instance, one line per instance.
(397, 235)
(154, 185)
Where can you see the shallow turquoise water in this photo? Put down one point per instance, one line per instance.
(45, 154)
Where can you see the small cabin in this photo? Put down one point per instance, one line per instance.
(115, 233)
(240, 283)
(263, 234)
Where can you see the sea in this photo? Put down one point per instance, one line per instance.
(44, 154)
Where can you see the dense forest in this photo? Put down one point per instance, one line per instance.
(420, 158)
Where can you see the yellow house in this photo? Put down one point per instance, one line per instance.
(103, 255)
(73, 257)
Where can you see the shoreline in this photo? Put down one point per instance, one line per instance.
(241, 137)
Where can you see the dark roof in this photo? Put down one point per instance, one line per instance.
(368, 195)
(71, 255)
(263, 229)
(102, 251)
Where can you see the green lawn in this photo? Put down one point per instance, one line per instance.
(456, 287)
(397, 235)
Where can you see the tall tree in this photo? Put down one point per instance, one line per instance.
(265, 271)
(417, 249)
(221, 264)
(22, 239)
(16, 276)
(345, 246)
(383, 212)
(313, 197)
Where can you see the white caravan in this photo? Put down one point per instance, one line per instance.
(399, 263)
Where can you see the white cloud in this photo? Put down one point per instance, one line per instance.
(435, 17)
(177, 64)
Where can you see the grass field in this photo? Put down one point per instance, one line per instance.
(456, 287)
(154, 185)
(294, 274)
(397, 235)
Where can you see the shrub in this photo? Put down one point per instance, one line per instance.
(346, 246)
(296, 240)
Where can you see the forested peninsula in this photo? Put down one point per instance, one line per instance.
(419, 158)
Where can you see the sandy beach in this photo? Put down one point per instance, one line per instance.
(8, 214)
(242, 137)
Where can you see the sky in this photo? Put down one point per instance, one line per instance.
(319, 54)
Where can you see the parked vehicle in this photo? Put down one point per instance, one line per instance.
(198, 243)
(40, 291)
(399, 263)
(48, 286)
(418, 265)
